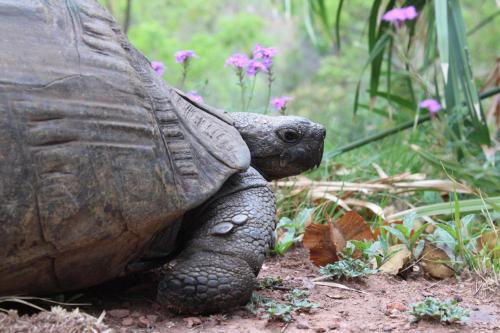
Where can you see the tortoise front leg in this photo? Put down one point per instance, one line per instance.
(218, 268)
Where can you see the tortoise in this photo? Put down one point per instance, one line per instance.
(106, 170)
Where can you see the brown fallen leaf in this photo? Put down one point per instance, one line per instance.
(398, 261)
(318, 239)
(434, 262)
(350, 226)
(326, 241)
(491, 239)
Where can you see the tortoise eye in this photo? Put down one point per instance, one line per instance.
(289, 135)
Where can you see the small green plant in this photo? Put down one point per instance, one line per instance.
(347, 268)
(270, 282)
(298, 300)
(268, 308)
(434, 309)
(409, 234)
(293, 230)
(378, 251)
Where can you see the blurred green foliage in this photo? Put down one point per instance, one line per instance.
(321, 78)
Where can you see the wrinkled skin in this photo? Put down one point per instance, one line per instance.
(281, 146)
(218, 267)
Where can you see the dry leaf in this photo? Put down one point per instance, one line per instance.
(338, 285)
(490, 239)
(398, 261)
(433, 259)
(351, 226)
(317, 238)
(326, 241)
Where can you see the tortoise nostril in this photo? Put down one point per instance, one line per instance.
(322, 132)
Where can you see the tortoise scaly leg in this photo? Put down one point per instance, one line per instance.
(218, 268)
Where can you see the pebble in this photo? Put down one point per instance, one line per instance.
(333, 326)
(387, 328)
(128, 321)
(118, 313)
(144, 322)
(407, 326)
(397, 306)
(302, 325)
(192, 321)
(152, 318)
(320, 330)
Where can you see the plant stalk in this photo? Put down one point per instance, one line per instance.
(394, 130)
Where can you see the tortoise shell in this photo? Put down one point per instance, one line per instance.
(97, 153)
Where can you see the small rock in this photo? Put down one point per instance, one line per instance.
(387, 328)
(128, 321)
(397, 306)
(192, 321)
(302, 325)
(152, 318)
(333, 326)
(458, 298)
(118, 313)
(320, 330)
(135, 314)
(144, 322)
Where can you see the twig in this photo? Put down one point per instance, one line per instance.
(340, 286)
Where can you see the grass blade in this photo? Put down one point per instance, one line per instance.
(337, 24)
(449, 208)
(376, 51)
(308, 22)
(441, 14)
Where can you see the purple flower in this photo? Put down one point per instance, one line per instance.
(265, 53)
(280, 103)
(158, 67)
(398, 15)
(184, 55)
(254, 67)
(430, 104)
(237, 60)
(195, 97)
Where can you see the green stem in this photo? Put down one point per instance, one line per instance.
(395, 130)
(270, 80)
(252, 89)
(185, 66)
(242, 86)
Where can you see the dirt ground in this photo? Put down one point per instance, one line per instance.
(380, 307)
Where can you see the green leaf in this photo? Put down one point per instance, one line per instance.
(448, 229)
(417, 233)
(466, 206)
(419, 248)
(376, 64)
(461, 59)
(397, 233)
(308, 22)
(397, 99)
(377, 50)
(337, 23)
(441, 14)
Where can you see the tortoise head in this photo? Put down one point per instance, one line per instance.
(281, 146)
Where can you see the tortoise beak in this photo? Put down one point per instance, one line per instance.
(321, 134)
